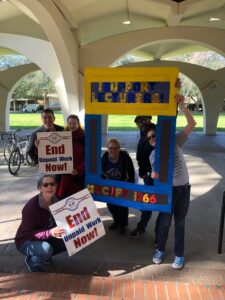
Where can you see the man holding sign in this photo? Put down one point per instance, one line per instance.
(48, 120)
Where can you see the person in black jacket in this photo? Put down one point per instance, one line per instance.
(144, 150)
(48, 120)
(117, 165)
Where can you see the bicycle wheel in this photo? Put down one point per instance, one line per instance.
(14, 162)
(8, 148)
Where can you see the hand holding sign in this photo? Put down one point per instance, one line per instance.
(57, 232)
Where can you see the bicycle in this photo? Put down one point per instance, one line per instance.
(18, 156)
(9, 145)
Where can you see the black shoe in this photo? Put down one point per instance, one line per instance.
(122, 230)
(136, 232)
(32, 268)
(114, 225)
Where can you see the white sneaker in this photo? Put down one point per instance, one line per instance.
(158, 257)
(178, 262)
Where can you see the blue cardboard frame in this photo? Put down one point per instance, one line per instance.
(143, 197)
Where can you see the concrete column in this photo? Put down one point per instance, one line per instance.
(8, 79)
(65, 50)
(213, 95)
(4, 122)
(104, 124)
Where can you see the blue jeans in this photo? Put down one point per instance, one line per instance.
(180, 204)
(40, 251)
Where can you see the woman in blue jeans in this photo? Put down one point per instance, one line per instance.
(180, 194)
(38, 237)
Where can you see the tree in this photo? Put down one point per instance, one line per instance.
(9, 61)
(33, 86)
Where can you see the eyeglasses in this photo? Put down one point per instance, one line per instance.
(48, 183)
(151, 137)
(113, 148)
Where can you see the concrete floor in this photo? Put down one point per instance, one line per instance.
(114, 254)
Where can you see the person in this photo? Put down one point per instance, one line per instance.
(144, 150)
(180, 193)
(73, 183)
(48, 120)
(38, 237)
(117, 165)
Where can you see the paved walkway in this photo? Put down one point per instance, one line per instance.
(117, 267)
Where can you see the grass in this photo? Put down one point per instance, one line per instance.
(116, 122)
(119, 122)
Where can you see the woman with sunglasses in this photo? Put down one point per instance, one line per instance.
(180, 194)
(38, 237)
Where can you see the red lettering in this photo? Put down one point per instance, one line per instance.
(77, 243)
(48, 149)
(139, 196)
(50, 167)
(85, 214)
(88, 237)
(98, 190)
(70, 221)
(152, 199)
(125, 193)
(83, 240)
(77, 218)
(112, 191)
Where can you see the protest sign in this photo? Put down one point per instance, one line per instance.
(78, 215)
(55, 152)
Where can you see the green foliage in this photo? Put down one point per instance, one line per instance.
(9, 61)
(33, 86)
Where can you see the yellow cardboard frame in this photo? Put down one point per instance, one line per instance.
(153, 74)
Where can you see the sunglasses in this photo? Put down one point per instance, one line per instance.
(151, 137)
(48, 183)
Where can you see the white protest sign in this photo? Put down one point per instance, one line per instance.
(55, 152)
(78, 215)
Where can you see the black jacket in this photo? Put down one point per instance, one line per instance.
(144, 150)
(127, 166)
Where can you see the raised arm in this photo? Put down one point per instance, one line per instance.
(190, 120)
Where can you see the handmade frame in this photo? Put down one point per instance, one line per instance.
(138, 86)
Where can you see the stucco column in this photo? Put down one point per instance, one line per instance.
(4, 125)
(65, 49)
(213, 95)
